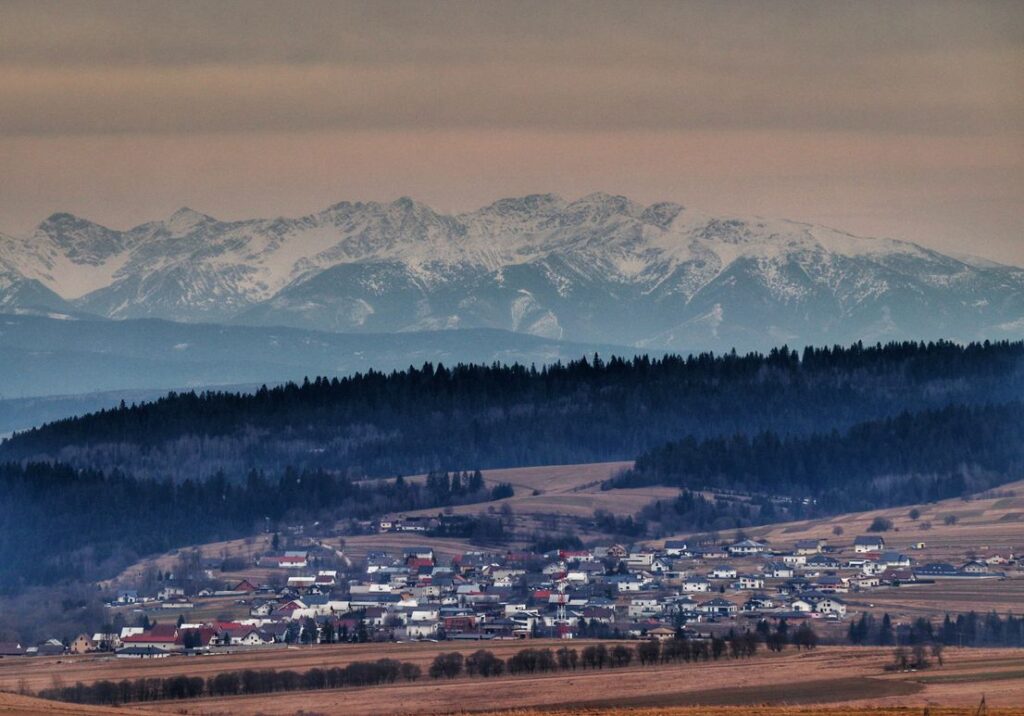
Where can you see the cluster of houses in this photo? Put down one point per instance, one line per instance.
(615, 590)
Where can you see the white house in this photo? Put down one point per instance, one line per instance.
(794, 560)
(778, 570)
(696, 584)
(422, 629)
(801, 605)
(717, 607)
(831, 605)
(747, 546)
(643, 607)
(640, 559)
(751, 581)
(676, 547)
(868, 543)
(627, 582)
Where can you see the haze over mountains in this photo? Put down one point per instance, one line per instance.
(601, 269)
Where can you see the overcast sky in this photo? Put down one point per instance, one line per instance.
(903, 119)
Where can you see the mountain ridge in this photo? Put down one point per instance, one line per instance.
(65, 355)
(601, 268)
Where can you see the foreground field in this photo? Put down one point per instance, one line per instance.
(847, 679)
(28, 706)
(826, 677)
(17, 674)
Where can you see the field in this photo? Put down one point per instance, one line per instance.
(849, 680)
(555, 496)
(38, 673)
(913, 600)
(982, 523)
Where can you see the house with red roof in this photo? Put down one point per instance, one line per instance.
(159, 636)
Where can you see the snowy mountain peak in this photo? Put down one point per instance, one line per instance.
(600, 268)
(661, 214)
(186, 220)
(80, 240)
(600, 206)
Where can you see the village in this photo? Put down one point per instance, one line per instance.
(314, 594)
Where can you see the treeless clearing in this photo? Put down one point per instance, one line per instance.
(565, 494)
(550, 478)
(573, 490)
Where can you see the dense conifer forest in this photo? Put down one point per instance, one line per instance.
(435, 418)
(920, 457)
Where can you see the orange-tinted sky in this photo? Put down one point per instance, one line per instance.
(891, 118)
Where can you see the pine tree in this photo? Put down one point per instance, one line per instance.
(885, 634)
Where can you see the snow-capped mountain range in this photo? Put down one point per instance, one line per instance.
(599, 269)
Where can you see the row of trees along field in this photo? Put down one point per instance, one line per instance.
(435, 417)
(479, 664)
(970, 629)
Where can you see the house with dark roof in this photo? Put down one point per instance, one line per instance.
(868, 543)
(718, 607)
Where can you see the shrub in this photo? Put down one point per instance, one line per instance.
(484, 663)
(446, 665)
(880, 524)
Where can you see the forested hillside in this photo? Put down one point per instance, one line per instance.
(911, 458)
(828, 431)
(48, 535)
(435, 417)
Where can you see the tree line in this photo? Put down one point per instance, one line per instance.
(971, 629)
(482, 663)
(434, 417)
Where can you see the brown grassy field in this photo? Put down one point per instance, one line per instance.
(914, 600)
(757, 710)
(847, 679)
(29, 706)
(570, 490)
(982, 523)
(828, 677)
(553, 498)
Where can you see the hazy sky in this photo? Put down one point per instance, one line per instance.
(903, 119)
